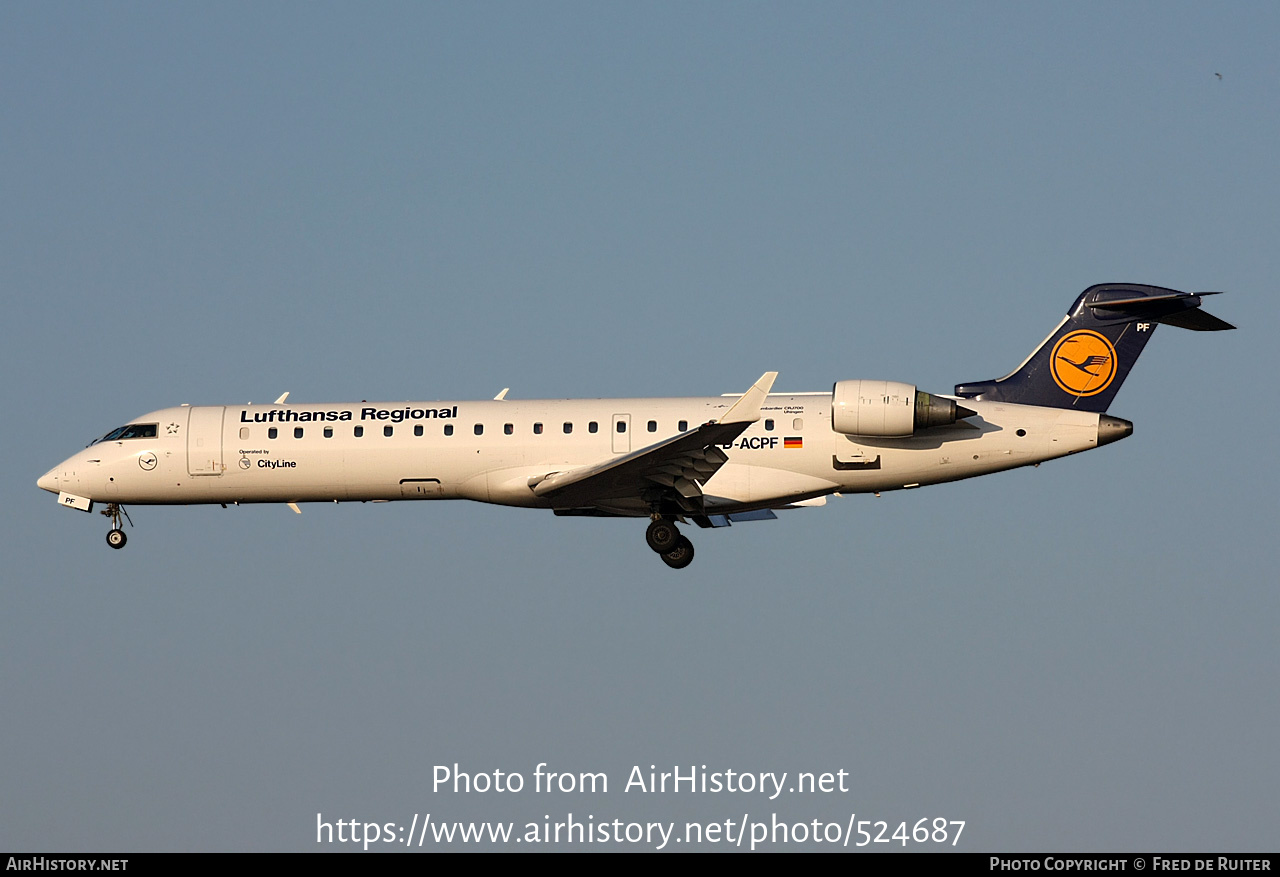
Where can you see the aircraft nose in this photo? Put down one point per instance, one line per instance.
(49, 481)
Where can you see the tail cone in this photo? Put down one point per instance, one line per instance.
(1112, 429)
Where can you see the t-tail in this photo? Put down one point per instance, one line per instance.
(1084, 361)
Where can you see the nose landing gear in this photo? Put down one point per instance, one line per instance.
(116, 537)
(665, 539)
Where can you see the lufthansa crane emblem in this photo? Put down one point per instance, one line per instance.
(1083, 363)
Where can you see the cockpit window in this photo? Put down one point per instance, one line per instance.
(132, 431)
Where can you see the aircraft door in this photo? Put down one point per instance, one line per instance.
(204, 440)
(621, 433)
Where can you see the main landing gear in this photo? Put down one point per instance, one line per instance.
(116, 537)
(665, 539)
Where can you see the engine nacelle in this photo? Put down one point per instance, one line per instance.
(889, 409)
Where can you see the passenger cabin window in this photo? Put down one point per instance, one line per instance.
(568, 428)
(537, 429)
(653, 426)
(622, 426)
(798, 423)
(244, 432)
(768, 426)
(388, 430)
(417, 429)
(479, 429)
(359, 431)
(448, 429)
(272, 432)
(593, 427)
(297, 432)
(508, 428)
(683, 425)
(328, 432)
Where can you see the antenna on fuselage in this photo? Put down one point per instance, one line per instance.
(283, 396)
(501, 396)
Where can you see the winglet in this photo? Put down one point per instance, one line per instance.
(747, 408)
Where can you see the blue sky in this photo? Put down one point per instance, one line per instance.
(215, 204)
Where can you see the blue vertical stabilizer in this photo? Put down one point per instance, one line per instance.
(1084, 361)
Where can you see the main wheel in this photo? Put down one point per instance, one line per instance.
(662, 536)
(680, 556)
(116, 538)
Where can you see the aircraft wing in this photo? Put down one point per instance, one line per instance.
(674, 468)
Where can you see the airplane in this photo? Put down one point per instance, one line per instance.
(710, 461)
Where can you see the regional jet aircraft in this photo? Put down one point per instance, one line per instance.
(710, 461)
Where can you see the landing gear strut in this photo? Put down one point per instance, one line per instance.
(116, 537)
(664, 538)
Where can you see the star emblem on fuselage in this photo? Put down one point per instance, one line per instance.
(173, 429)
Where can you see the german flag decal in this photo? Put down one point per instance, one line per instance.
(793, 441)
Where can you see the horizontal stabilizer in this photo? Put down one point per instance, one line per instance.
(1148, 300)
(1179, 309)
(1200, 321)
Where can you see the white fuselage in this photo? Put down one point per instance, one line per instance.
(491, 451)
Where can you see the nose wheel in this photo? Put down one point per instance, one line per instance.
(665, 539)
(116, 537)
